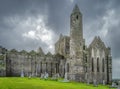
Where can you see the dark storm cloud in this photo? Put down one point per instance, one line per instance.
(11, 37)
(18, 17)
(59, 16)
(55, 12)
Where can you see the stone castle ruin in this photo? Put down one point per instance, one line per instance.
(72, 58)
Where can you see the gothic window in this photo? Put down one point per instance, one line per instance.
(86, 69)
(84, 47)
(86, 58)
(77, 17)
(46, 67)
(92, 65)
(97, 64)
(41, 67)
(103, 65)
(110, 61)
(51, 68)
(67, 67)
(56, 68)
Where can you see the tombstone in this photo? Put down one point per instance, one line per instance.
(118, 85)
(95, 83)
(103, 82)
(32, 74)
(22, 73)
(29, 76)
(113, 85)
(66, 78)
(36, 74)
(87, 79)
(42, 76)
(54, 77)
(88, 82)
(57, 75)
(46, 75)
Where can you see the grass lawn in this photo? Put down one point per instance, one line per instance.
(36, 83)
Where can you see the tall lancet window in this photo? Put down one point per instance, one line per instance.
(103, 65)
(67, 67)
(77, 17)
(92, 65)
(97, 64)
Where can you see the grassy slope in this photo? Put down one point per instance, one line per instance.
(36, 83)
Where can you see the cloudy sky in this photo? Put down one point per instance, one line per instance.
(29, 24)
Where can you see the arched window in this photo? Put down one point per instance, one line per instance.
(56, 68)
(85, 62)
(103, 65)
(67, 67)
(40, 67)
(92, 65)
(97, 64)
(84, 47)
(86, 58)
(77, 17)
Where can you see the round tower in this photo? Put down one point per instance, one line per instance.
(76, 67)
(76, 33)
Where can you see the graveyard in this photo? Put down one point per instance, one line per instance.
(38, 83)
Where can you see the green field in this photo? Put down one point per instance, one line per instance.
(36, 83)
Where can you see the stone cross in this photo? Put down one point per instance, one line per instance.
(22, 73)
(103, 82)
(65, 76)
(46, 75)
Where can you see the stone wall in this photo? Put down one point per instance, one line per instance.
(33, 64)
(92, 63)
(2, 61)
(98, 61)
(62, 46)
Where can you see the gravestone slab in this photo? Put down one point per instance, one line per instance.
(22, 73)
(57, 75)
(66, 78)
(42, 76)
(46, 75)
(103, 82)
(77, 77)
(113, 85)
(95, 83)
(54, 77)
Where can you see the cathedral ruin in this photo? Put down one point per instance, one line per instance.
(72, 56)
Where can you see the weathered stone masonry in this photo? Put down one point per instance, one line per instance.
(92, 63)
(72, 56)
